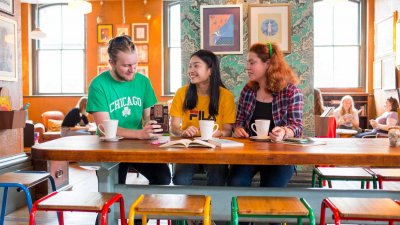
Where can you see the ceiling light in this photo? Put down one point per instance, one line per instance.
(147, 16)
(36, 33)
(80, 6)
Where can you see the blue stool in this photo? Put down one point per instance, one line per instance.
(22, 180)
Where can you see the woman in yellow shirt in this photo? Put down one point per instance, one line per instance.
(204, 98)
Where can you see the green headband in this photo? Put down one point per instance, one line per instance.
(270, 49)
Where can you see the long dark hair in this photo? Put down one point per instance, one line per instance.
(211, 60)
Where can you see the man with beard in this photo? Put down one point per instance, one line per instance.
(126, 96)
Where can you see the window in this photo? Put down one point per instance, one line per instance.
(339, 44)
(172, 50)
(59, 59)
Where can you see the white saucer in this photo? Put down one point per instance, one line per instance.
(258, 138)
(117, 138)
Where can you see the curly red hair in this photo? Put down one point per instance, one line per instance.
(279, 74)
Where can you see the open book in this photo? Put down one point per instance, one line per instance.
(186, 143)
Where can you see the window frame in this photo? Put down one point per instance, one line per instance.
(166, 35)
(35, 55)
(362, 77)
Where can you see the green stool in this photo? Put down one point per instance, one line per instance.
(270, 207)
(343, 173)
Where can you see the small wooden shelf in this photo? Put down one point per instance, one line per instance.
(12, 119)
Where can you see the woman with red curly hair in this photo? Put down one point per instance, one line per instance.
(271, 94)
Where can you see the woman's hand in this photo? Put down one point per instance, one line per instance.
(373, 123)
(190, 131)
(240, 133)
(277, 134)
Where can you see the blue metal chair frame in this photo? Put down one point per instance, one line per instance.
(25, 189)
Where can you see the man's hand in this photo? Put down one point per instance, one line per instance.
(240, 133)
(151, 130)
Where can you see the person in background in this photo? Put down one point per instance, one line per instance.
(318, 102)
(76, 121)
(388, 119)
(204, 98)
(346, 114)
(126, 96)
(272, 94)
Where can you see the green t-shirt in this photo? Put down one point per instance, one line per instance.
(124, 101)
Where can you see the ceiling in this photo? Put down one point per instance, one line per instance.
(61, 1)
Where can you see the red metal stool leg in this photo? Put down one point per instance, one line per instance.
(326, 203)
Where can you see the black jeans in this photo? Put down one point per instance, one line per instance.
(156, 173)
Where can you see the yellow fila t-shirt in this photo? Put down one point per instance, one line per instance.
(226, 109)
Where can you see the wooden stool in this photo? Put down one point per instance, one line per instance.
(343, 173)
(369, 209)
(79, 202)
(22, 180)
(386, 174)
(270, 207)
(171, 205)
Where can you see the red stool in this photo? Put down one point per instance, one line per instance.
(385, 174)
(79, 202)
(367, 209)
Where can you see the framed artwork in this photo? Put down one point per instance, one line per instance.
(102, 68)
(104, 33)
(7, 6)
(389, 73)
(143, 53)
(103, 55)
(8, 46)
(140, 32)
(378, 74)
(384, 34)
(270, 23)
(121, 29)
(221, 28)
(143, 70)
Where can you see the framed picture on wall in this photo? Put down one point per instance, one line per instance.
(104, 33)
(140, 32)
(103, 55)
(143, 53)
(8, 49)
(121, 29)
(143, 70)
(384, 34)
(102, 68)
(7, 6)
(378, 74)
(221, 28)
(270, 23)
(389, 73)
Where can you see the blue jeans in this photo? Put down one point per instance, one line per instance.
(216, 174)
(270, 176)
(156, 173)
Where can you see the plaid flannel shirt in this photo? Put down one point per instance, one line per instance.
(287, 108)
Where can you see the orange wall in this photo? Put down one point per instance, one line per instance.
(11, 140)
(111, 12)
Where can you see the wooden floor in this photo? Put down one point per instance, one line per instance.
(85, 180)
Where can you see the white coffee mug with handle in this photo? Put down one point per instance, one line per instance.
(261, 128)
(109, 128)
(208, 128)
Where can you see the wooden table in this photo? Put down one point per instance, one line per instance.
(106, 155)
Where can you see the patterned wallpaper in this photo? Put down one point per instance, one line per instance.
(233, 66)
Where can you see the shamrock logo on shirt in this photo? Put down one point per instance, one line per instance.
(126, 112)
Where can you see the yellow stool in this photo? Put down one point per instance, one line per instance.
(172, 205)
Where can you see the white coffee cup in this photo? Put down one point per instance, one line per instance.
(109, 128)
(207, 129)
(262, 128)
